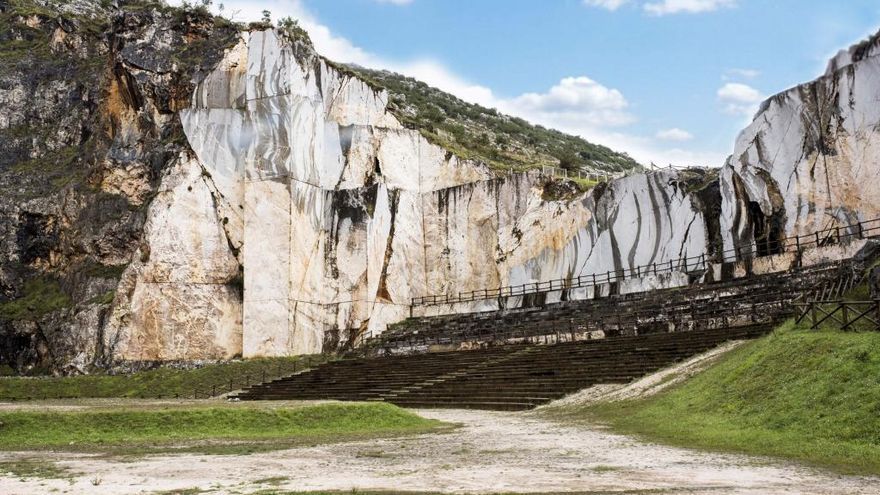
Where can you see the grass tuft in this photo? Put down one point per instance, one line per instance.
(40, 296)
(33, 468)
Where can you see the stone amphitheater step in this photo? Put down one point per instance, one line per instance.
(503, 378)
(756, 298)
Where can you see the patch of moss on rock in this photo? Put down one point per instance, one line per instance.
(40, 296)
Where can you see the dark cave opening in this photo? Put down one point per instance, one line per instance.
(767, 231)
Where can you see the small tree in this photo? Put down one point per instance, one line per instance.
(290, 27)
(569, 161)
(267, 17)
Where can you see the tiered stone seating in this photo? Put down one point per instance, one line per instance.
(737, 302)
(504, 377)
(640, 333)
(362, 379)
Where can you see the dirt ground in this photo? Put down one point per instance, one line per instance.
(491, 452)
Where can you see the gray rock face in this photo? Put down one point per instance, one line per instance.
(88, 127)
(809, 160)
(874, 282)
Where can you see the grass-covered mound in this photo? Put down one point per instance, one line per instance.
(813, 396)
(156, 383)
(239, 427)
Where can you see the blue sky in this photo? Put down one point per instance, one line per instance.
(665, 80)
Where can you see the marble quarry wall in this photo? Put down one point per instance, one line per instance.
(307, 217)
(809, 160)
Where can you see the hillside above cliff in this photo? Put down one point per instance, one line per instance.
(473, 131)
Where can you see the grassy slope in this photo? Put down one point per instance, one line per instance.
(138, 429)
(475, 132)
(799, 394)
(162, 382)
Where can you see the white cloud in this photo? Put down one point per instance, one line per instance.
(739, 93)
(740, 74)
(396, 2)
(739, 99)
(611, 5)
(574, 99)
(665, 7)
(674, 134)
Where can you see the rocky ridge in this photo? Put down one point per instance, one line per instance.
(808, 161)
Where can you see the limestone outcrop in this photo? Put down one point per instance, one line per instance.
(89, 96)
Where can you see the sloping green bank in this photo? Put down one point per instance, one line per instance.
(156, 383)
(205, 428)
(798, 394)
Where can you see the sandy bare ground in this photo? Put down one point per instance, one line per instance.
(491, 452)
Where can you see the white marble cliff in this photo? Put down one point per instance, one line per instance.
(308, 217)
(810, 160)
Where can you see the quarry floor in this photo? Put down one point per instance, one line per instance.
(490, 452)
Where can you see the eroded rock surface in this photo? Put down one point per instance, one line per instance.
(89, 97)
(345, 215)
(809, 160)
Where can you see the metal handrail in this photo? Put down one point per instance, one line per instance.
(830, 236)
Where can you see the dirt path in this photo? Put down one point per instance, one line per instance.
(492, 452)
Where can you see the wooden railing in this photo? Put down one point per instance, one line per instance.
(595, 175)
(846, 314)
(826, 237)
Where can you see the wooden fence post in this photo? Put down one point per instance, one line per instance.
(813, 314)
(877, 307)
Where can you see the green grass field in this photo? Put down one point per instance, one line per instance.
(812, 396)
(156, 383)
(217, 428)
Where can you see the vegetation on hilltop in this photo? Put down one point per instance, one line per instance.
(475, 132)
